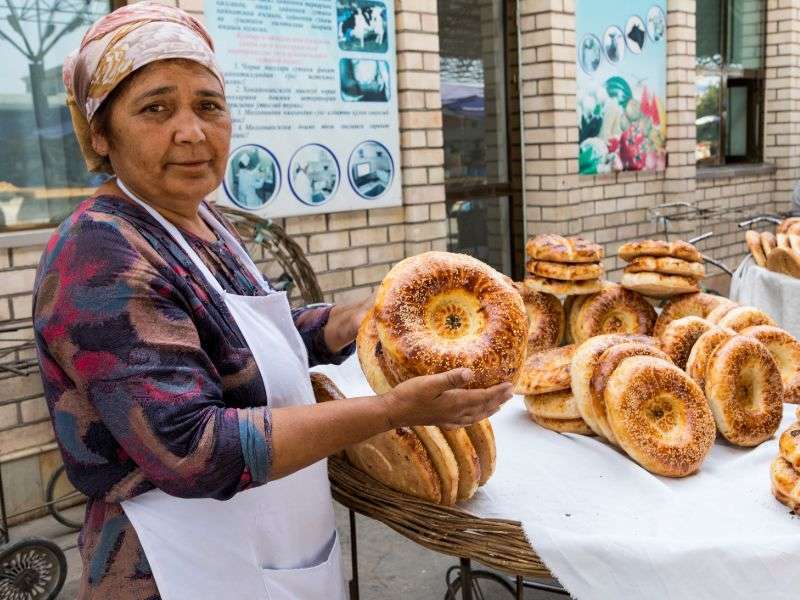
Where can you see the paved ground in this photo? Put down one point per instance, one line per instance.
(391, 567)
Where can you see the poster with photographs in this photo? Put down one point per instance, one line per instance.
(622, 85)
(313, 97)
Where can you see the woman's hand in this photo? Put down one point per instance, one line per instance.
(344, 321)
(302, 435)
(441, 400)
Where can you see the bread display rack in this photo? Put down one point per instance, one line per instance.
(497, 543)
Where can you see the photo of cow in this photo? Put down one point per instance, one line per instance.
(362, 26)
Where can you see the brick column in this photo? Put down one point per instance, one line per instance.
(421, 125)
(782, 101)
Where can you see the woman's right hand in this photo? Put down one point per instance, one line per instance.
(441, 400)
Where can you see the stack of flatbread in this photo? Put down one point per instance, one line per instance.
(563, 266)
(779, 252)
(547, 386)
(434, 464)
(662, 269)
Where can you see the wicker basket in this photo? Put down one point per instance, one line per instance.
(288, 253)
(496, 543)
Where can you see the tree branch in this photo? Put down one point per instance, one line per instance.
(19, 48)
(13, 10)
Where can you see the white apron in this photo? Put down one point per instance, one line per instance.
(277, 541)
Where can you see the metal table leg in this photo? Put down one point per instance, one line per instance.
(354, 588)
(466, 579)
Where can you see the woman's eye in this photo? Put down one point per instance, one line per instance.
(211, 106)
(154, 108)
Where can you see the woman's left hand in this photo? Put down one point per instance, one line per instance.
(344, 321)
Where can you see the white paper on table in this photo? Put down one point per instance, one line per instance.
(608, 529)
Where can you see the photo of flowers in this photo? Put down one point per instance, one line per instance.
(621, 85)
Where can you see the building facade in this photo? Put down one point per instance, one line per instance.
(490, 156)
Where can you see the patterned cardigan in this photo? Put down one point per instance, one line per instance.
(148, 379)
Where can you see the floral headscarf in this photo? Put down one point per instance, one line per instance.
(117, 45)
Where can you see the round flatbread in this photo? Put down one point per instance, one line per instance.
(442, 459)
(666, 265)
(753, 240)
(563, 288)
(657, 285)
(481, 435)
(564, 271)
(785, 261)
(678, 249)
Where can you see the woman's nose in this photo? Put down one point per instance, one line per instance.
(188, 128)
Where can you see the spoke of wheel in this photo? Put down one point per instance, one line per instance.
(477, 589)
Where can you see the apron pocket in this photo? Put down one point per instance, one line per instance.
(324, 581)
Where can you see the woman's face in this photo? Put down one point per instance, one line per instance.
(169, 133)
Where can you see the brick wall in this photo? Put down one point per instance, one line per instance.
(613, 209)
(24, 420)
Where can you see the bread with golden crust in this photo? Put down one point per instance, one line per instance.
(563, 288)
(785, 483)
(657, 285)
(787, 224)
(698, 304)
(680, 337)
(743, 317)
(442, 460)
(564, 271)
(546, 320)
(721, 310)
(744, 389)
(785, 349)
(785, 261)
(768, 242)
(469, 466)
(608, 363)
(481, 435)
(753, 241)
(657, 248)
(790, 445)
(572, 307)
(370, 355)
(586, 358)
(398, 460)
(613, 310)
(324, 389)
(578, 426)
(702, 350)
(559, 405)
(560, 249)
(546, 371)
(659, 416)
(439, 311)
(666, 265)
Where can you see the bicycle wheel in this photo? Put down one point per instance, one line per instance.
(32, 569)
(485, 586)
(56, 504)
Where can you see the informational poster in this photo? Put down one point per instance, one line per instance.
(312, 89)
(622, 85)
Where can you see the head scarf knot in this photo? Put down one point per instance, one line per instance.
(117, 45)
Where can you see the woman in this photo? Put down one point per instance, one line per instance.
(175, 377)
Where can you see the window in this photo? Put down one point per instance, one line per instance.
(730, 80)
(474, 109)
(42, 174)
